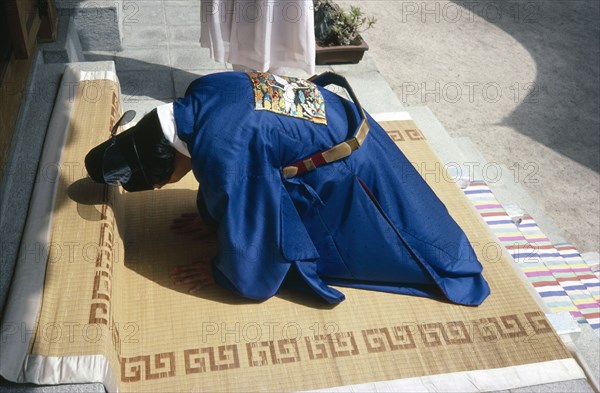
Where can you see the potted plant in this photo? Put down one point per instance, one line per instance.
(337, 33)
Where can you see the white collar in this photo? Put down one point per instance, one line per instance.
(167, 123)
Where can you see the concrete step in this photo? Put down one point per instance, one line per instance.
(67, 47)
(592, 258)
(506, 186)
(22, 164)
(446, 148)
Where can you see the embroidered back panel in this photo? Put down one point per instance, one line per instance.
(288, 96)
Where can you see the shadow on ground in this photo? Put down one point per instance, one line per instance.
(561, 109)
(153, 251)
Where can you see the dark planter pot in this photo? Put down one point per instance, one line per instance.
(346, 54)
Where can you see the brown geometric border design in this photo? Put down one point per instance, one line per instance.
(406, 337)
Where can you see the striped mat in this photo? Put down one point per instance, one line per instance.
(558, 273)
(587, 276)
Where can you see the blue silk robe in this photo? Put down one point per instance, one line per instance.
(368, 221)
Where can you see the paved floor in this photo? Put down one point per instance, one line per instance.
(520, 79)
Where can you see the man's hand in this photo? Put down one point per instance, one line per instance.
(192, 224)
(198, 274)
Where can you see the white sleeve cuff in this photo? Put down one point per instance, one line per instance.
(167, 123)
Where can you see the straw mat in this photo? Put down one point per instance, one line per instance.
(107, 292)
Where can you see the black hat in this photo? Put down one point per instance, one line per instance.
(120, 159)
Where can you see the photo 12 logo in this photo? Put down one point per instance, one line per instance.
(252, 12)
(472, 92)
(66, 332)
(470, 11)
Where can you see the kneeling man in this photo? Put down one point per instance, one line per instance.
(304, 178)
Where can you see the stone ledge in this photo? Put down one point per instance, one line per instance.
(67, 47)
(99, 23)
(22, 164)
